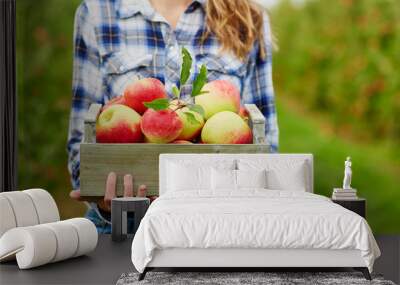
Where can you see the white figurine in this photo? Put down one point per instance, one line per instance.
(347, 174)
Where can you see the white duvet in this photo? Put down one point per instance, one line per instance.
(253, 218)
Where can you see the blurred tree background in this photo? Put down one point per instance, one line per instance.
(337, 82)
(44, 67)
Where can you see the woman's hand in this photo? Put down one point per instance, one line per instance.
(110, 192)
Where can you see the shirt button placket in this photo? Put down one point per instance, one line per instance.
(172, 57)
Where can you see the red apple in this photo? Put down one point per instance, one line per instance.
(244, 114)
(162, 126)
(221, 95)
(181, 142)
(143, 90)
(118, 124)
(116, 100)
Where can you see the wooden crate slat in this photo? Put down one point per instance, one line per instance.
(257, 123)
(140, 160)
(89, 135)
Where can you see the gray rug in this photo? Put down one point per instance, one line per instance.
(269, 278)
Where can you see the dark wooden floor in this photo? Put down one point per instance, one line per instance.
(110, 260)
(389, 262)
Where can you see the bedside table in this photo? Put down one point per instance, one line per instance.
(119, 211)
(358, 205)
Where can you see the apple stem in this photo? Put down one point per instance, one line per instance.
(180, 106)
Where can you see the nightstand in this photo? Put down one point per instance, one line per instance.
(119, 211)
(358, 205)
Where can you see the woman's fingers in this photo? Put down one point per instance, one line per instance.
(152, 198)
(75, 194)
(142, 191)
(128, 188)
(110, 190)
(128, 185)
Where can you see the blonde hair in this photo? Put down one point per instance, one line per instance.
(237, 24)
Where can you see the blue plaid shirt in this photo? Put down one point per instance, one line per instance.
(116, 39)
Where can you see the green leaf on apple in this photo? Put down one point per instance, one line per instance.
(197, 109)
(191, 118)
(199, 81)
(186, 66)
(176, 92)
(158, 104)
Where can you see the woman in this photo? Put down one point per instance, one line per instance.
(115, 40)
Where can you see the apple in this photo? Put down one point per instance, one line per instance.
(244, 114)
(190, 129)
(143, 90)
(226, 128)
(118, 124)
(221, 95)
(161, 126)
(181, 142)
(116, 100)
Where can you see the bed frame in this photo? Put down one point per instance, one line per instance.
(250, 259)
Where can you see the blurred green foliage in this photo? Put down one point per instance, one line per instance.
(342, 57)
(336, 83)
(44, 76)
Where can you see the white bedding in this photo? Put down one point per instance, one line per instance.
(251, 218)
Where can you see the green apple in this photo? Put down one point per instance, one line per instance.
(226, 128)
(191, 128)
(221, 95)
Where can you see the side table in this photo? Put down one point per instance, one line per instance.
(119, 209)
(357, 205)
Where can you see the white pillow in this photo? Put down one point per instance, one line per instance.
(290, 179)
(183, 177)
(188, 175)
(251, 178)
(282, 174)
(223, 179)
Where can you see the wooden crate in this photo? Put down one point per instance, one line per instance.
(141, 159)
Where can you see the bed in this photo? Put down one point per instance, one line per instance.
(246, 211)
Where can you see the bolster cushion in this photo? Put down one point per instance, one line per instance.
(26, 208)
(40, 244)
